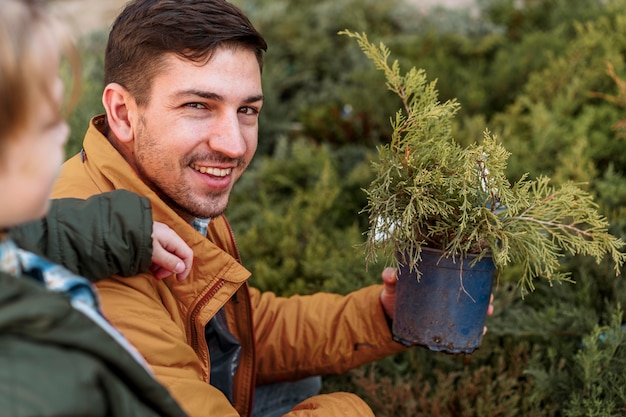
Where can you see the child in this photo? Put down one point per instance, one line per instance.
(58, 356)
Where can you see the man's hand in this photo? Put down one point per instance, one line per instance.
(170, 253)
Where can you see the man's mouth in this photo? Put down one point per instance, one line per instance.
(216, 172)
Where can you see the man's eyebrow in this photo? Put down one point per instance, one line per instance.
(214, 96)
(200, 93)
(254, 99)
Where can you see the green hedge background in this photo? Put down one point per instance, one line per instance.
(546, 76)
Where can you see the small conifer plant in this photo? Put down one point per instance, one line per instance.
(429, 191)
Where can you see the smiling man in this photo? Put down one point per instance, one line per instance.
(182, 97)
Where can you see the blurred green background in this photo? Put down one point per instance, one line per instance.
(546, 76)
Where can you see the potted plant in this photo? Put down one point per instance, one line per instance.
(435, 205)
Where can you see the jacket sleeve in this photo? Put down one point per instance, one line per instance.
(334, 404)
(319, 334)
(107, 234)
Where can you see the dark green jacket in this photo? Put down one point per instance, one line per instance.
(95, 238)
(55, 361)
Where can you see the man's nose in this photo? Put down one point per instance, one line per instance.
(227, 137)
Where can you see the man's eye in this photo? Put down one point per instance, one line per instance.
(195, 105)
(250, 111)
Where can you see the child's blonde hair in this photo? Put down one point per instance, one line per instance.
(23, 26)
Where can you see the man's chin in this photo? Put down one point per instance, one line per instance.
(212, 210)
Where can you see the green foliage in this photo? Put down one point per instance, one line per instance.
(519, 18)
(599, 372)
(440, 385)
(90, 103)
(429, 191)
(558, 111)
(484, 59)
(560, 323)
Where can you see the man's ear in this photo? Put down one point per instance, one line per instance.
(119, 106)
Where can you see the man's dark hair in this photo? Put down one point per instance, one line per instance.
(146, 30)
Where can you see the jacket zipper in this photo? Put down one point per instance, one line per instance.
(250, 328)
(194, 332)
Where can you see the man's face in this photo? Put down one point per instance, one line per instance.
(198, 132)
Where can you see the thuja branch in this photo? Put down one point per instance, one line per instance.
(380, 55)
(554, 225)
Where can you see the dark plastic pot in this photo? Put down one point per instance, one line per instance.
(446, 308)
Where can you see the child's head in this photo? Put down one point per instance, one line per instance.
(32, 128)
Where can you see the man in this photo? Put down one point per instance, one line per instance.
(182, 97)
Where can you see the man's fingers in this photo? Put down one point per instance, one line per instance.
(182, 258)
(388, 294)
(389, 279)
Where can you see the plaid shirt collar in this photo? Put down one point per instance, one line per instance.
(201, 225)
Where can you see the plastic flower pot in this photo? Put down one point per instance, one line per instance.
(446, 307)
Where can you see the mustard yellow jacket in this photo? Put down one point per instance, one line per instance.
(281, 338)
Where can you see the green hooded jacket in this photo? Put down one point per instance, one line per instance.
(94, 238)
(54, 360)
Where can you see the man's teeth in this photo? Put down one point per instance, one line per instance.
(217, 172)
